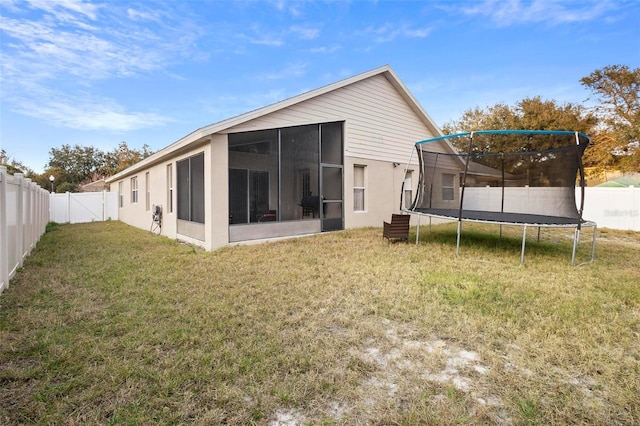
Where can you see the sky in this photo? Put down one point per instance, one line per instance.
(95, 73)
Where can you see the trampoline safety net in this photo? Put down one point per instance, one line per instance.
(519, 177)
(512, 177)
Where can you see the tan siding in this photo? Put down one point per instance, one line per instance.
(380, 124)
(136, 214)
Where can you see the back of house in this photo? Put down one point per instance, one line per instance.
(329, 159)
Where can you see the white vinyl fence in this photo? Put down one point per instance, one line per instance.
(84, 207)
(615, 208)
(25, 209)
(24, 213)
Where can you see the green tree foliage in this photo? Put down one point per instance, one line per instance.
(14, 166)
(72, 166)
(617, 142)
(77, 163)
(123, 156)
(527, 114)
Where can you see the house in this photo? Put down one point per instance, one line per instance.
(97, 185)
(328, 159)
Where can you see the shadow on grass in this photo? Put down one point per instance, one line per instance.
(508, 241)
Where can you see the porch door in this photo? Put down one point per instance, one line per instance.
(331, 176)
(331, 191)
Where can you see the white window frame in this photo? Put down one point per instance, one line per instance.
(121, 194)
(134, 190)
(408, 189)
(448, 191)
(359, 191)
(170, 188)
(147, 192)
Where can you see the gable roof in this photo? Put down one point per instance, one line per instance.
(220, 126)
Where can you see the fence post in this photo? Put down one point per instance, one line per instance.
(104, 205)
(52, 207)
(4, 239)
(28, 226)
(633, 214)
(19, 248)
(46, 211)
(68, 194)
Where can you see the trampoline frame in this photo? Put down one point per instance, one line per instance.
(476, 216)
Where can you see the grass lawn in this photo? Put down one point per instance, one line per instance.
(108, 324)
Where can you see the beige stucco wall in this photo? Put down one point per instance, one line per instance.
(219, 192)
(383, 183)
(137, 214)
(380, 130)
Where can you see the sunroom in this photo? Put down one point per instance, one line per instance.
(286, 181)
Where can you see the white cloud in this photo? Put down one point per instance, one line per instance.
(262, 37)
(293, 7)
(83, 111)
(44, 51)
(267, 40)
(510, 12)
(325, 49)
(143, 15)
(72, 45)
(227, 106)
(292, 70)
(305, 32)
(418, 33)
(390, 31)
(66, 10)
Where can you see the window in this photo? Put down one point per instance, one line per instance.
(358, 188)
(147, 192)
(121, 194)
(448, 187)
(170, 188)
(190, 174)
(408, 190)
(134, 189)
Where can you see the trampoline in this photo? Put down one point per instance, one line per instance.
(527, 178)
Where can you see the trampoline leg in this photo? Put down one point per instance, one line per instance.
(458, 238)
(576, 238)
(538, 234)
(593, 244)
(418, 231)
(524, 240)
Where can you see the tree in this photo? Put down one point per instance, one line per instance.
(122, 157)
(44, 182)
(527, 114)
(617, 142)
(14, 166)
(77, 163)
(74, 166)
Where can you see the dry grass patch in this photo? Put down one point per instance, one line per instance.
(107, 324)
